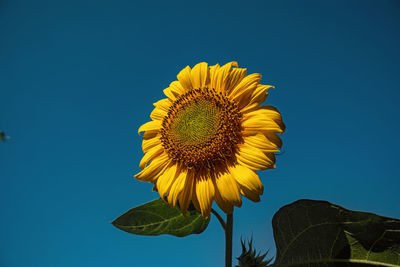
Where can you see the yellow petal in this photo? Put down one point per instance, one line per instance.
(221, 77)
(225, 206)
(164, 182)
(205, 193)
(249, 194)
(151, 154)
(271, 156)
(149, 143)
(261, 142)
(184, 78)
(260, 94)
(167, 91)
(266, 112)
(235, 77)
(176, 88)
(158, 114)
(199, 75)
(195, 201)
(247, 178)
(149, 135)
(185, 196)
(154, 169)
(254, 158)
(163, 104)
(177, 187)
(151, 126)
(213, 74)
(254, 125)
(274, 138)
(248, 108)
(245, 89)
(227, 192)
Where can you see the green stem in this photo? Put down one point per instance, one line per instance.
(228, 240)
(221, 221)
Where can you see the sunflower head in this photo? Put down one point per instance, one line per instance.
(208, 138)
(201, 129)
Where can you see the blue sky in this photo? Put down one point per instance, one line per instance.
(78, 78)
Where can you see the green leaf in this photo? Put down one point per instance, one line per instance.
(157, 217)
(318, 233)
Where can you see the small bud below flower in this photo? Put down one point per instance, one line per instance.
(249, 257)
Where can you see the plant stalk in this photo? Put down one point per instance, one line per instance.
(228, 240)
(221, 221)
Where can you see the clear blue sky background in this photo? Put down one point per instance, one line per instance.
(78, 78)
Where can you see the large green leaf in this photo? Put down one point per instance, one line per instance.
(318, 233)
(157, 217)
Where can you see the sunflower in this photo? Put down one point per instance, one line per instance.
(208, 138)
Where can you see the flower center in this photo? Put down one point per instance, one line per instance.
(202, 129)
(196, 123)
